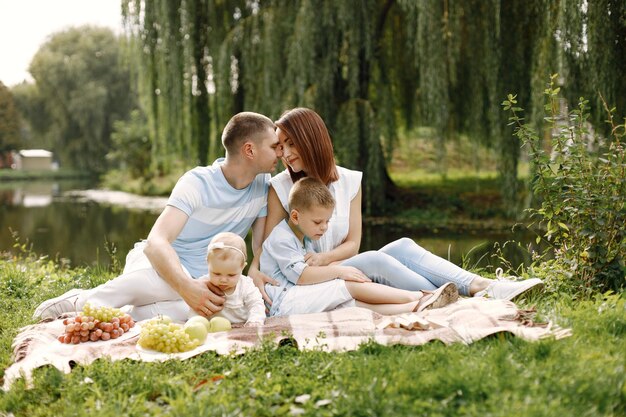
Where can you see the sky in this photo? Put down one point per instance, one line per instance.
(26, 24)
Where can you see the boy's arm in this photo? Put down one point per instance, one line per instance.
(286, 252)
(317, 274)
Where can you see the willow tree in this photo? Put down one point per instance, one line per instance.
(369, 67)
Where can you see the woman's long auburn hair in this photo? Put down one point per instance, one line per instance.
(310, 136)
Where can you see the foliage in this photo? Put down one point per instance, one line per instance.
(131, 144)
(35, 118)
(9, 122)
(149, 185)
(368, 70)
(583, 205)
(84, 88)
(500, 376)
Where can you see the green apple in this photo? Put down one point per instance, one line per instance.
(200, 319)
(196, 331)
(162, 318)
(219, 324)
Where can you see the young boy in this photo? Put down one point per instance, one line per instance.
(313, 289)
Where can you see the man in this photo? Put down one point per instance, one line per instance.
(228, 196)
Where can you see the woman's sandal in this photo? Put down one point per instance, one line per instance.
(442, 296)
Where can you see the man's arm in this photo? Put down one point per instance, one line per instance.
(165, 261)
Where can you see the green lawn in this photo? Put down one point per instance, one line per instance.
(583, 375)
(18, 175)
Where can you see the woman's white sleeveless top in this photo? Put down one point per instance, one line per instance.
(343, 190)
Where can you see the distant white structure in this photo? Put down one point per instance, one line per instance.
(33, 160)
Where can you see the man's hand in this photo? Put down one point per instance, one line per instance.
(260, 279)
(350, 273)
(316, 259)
(203, 297)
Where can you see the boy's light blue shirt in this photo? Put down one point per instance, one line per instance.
(283, 260)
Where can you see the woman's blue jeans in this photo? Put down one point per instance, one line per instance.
(406, 265)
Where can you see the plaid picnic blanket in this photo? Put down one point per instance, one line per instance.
(465, 321)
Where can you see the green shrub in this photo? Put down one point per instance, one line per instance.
(582, 192)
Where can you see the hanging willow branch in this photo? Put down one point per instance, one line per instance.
(369, 67)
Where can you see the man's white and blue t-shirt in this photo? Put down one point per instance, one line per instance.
(213, 206)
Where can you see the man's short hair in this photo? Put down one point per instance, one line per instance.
(309, 192)
(244, 126)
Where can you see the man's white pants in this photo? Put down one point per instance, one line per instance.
(140, 287)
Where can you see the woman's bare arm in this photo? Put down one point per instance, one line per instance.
(275, 214)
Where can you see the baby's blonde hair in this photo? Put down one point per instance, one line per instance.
(225, 245)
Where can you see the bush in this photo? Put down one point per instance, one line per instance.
(582, 192)
(131, 144)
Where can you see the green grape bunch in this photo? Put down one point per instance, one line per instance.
(103, 313)
(165, 336)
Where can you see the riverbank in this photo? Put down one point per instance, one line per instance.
(459, 201)
(119, 198)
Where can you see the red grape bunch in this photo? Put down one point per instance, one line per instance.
(94, 324)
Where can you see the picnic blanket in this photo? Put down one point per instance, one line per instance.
(465, 321)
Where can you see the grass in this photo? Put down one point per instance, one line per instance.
(583, 375)
(18, 175)
(464, 196)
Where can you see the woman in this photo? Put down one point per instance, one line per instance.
(307, 151)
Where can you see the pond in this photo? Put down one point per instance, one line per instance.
(64, 221)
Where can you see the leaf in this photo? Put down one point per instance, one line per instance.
(296, 411)
(301, 399)
(321, 403)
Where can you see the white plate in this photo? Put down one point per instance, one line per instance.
(142, 349)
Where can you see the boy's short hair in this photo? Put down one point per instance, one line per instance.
(310, 192)
(226, 245)
(244, 126)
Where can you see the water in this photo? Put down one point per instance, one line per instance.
(48, 217)
(44, 216)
